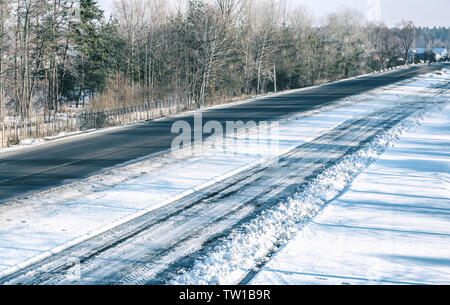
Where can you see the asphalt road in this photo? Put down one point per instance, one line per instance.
(50, 165)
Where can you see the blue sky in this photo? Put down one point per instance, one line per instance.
(422, 12)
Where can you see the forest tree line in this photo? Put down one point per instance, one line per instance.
(59, 52)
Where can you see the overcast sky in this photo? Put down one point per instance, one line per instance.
(422, 12)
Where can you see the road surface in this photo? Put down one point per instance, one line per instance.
(50, 165)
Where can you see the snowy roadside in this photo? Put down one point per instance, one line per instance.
(391, 227)
(46, 223)
(249, 246)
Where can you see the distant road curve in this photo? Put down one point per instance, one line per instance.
(50, 165)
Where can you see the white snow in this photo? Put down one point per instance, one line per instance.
(391, 227)
(48, 222)
(247, 247)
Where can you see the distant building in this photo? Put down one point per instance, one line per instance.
(427, 54)
(440, 53)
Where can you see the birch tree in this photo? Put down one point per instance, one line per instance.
(4, 15)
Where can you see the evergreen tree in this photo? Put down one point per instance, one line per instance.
(91, 49)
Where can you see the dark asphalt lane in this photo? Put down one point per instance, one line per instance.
(50, 165)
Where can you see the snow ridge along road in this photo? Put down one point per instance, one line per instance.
(391, 226)
(154, 247)
(241, 255)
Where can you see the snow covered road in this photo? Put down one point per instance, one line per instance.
(391, 227)
(146, 221)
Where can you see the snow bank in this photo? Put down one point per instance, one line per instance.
(391, 227)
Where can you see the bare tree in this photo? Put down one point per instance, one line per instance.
(4, 15)
(132, 16)
(264, 18)
(344, 46)
(407, 35)
(383, 44)
(28, 49)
